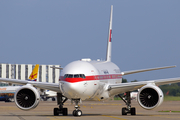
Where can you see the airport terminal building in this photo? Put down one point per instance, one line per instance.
(23, 71)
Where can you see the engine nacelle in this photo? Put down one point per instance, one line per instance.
(150, 97)
(27, 97)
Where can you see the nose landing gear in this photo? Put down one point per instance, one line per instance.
(76, 112)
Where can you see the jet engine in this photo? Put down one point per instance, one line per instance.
(150, 96)
(27, 97)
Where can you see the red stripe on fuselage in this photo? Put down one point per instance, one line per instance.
(90, 78)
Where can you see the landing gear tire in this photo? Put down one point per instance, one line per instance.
(65, 111)
(53, 99)
(124, 111)
(74, 113)
(133, 111)
(56, 111)
(77, 113)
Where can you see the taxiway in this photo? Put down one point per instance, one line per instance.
(107, 110)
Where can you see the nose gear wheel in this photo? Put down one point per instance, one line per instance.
(77, 112)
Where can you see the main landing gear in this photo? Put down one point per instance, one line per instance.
(128, 109)
(76, 112)
(60, 102)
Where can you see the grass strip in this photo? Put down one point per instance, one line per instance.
(171, 98)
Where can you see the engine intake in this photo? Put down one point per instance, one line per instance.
(27, 97)
(150, 96)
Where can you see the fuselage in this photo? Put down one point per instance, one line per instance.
(88, 80)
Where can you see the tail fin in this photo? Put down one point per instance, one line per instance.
(108, 55)
(33, 76)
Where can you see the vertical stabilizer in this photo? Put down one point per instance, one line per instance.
(34, 74)
(108, 55)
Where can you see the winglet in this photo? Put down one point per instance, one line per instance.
(33, 76)
(108, 55)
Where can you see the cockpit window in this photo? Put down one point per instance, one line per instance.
(70, 76)
(74, 76)
(82, 76)
(65, 76)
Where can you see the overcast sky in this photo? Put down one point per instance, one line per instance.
(146, 33)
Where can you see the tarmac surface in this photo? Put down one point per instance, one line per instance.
(107, 110)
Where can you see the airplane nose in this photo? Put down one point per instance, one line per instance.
(73, 90)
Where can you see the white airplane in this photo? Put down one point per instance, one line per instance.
(92, 80)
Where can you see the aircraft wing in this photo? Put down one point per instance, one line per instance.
(144, 70)
(126, 87)
(42, 85)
